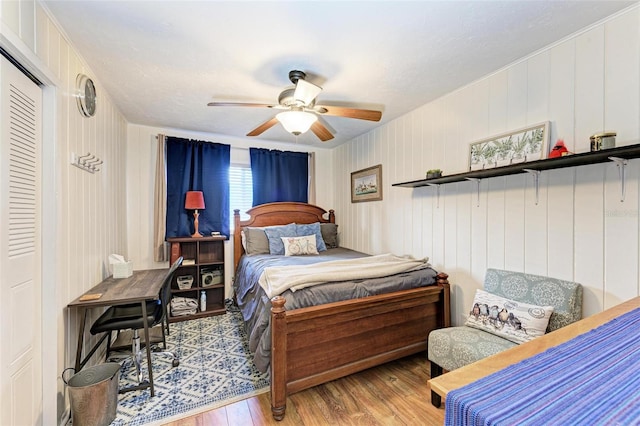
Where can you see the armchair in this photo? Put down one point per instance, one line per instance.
(454, 347)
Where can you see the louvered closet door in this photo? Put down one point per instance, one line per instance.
(20, 272)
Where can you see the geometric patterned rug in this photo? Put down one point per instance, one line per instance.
(216, 369)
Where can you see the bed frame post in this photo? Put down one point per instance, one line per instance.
(278, 358)
(443, 281)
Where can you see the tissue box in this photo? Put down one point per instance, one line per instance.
(122, 270)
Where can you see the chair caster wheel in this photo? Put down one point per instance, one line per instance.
(175, 362)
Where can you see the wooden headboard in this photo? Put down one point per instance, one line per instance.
(276, 214)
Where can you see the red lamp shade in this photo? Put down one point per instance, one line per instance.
(194, 200)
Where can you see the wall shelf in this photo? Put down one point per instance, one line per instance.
(617, 155)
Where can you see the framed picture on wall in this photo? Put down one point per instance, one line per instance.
(366, 184)
(518, 146)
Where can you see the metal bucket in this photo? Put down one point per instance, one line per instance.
(94, 394)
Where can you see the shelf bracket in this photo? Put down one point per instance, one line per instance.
(620, 163)
(437, 185)
(536, 176)
(477, 181)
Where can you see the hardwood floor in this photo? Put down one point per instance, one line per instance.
(392, 394)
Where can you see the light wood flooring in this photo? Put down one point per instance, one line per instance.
(392, 394)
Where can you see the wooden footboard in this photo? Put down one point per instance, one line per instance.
(318, 344)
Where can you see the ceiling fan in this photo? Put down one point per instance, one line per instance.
(300, 110)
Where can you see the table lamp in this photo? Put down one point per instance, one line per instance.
(194, 201)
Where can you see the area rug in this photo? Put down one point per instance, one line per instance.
(215, 369)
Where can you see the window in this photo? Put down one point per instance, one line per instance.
(240, 190)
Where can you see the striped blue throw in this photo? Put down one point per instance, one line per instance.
(593, 379)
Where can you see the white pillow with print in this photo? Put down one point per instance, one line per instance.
(509, 319)
(296, 246)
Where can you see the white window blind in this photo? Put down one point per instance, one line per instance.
(240, 191)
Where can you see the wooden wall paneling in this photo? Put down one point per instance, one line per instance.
(589, 87)
(517, 96)
(536, 224)
(27, 24)
(518, 83)
(403, 166)
(425, 195)
(560, 198)
(561, 104)
(588, 225)
(514, 222)
(42, 23)
(479, 231)
(378, 207)
(439, 131)
(538, 87)
(496, 222)
(621, 235)
(622, 84)
(418, 168)
(497, 104)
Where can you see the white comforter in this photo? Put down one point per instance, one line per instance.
(277, 279)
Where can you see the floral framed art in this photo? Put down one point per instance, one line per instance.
(518, 146)
(366, 184)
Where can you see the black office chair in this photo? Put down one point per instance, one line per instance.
(129, 317)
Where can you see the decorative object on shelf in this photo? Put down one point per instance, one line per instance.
(88, 163)
(559, 149)
(194, 200)
(366, 184)
(434, 173)
(519, 146)
(86, 96)
(605, 140)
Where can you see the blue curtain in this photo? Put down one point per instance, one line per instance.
(279, 175)
(197, 166)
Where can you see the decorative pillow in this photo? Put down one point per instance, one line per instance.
(255, 241)
(296, 246)
(329, 233)
(311, 229)
(511, 320)
(275, 234)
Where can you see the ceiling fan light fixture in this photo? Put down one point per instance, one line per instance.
(296, 122)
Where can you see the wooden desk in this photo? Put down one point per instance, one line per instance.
(138, 288)
(455, 379)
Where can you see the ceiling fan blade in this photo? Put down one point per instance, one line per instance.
(263, 127)
(306, 92)
(361, 114)
(240, 104)
(321, 131)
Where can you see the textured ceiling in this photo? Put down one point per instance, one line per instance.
(162, 61)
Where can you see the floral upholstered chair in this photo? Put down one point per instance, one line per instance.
(512, 308)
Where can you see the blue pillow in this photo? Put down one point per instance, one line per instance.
(312, 229)
(275, 234)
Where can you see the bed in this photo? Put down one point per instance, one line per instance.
(311, 345)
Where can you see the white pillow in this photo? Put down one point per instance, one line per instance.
(511, 320)
(296, 246)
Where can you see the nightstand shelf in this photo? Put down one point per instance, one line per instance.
(204, 262)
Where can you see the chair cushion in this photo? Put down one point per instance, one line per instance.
(564, 296)
(512, 320)
(455, 347)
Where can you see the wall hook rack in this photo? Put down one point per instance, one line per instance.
(89, 162)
